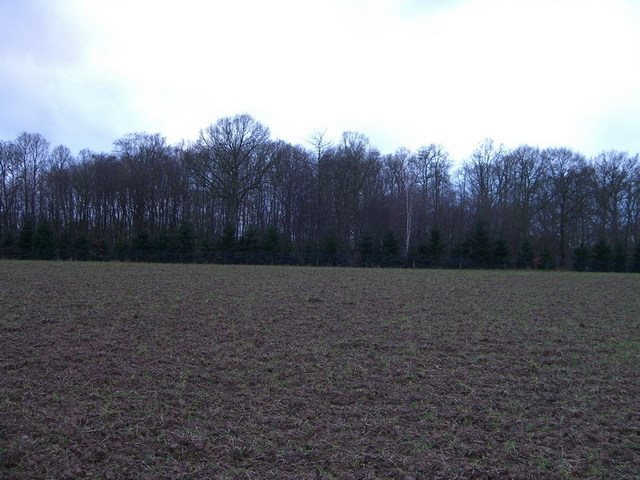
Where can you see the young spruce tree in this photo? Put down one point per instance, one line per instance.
(602, 256)
(525, 256)
(635, 262)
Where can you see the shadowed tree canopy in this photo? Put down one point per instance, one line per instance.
(238, 192)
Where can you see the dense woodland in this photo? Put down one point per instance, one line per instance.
(235, 194)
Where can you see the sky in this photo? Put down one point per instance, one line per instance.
(405, 73)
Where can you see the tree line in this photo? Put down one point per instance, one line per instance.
(235, 194)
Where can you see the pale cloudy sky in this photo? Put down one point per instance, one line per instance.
(404, 72)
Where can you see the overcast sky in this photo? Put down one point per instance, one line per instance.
(404, 72)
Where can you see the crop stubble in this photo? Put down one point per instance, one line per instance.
(120, 370)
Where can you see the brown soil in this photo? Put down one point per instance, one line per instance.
(114, 370)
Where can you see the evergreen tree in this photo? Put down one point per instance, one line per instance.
(81, 243)
(206, 245)
(461, 253)
(25, 236)
(63, 241)
(330, 246)
(423, 257)
(162, 242)
(365, 245)
(525, 255)
(140, 242)
(620, 258)
(602, 256)
(390, 244)
(120, 249)
(8, 239)
(481, 252)
(501, 253)
(286, 244)
(635, 262)
(81, 247)
(101, 247)
(43, 240)
(227, 242)
(581, 257)
(548, 263)
(435, 249)
(185, 238)
(271, 240)
(249, 240)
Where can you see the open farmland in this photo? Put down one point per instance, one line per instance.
(120, 370)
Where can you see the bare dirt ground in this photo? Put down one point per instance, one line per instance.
(124, 371)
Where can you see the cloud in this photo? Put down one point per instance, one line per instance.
(50, 84)
(35, 31)
(404, 72)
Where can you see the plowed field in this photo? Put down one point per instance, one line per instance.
(125, 371)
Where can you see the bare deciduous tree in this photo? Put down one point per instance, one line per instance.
(401, 168)
(569, 177)
(32, 152)
(231, 158)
